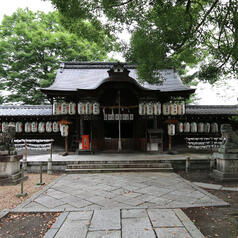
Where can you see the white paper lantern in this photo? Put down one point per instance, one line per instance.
(149, 108)
(207, 127)
(27, 127)
(55, 126)
(64, 130)
(131, 117)
(96, 108)
(142, 108)
(48, 126)
(81, 108)
(166, 109)
(194, 127)
(187, 127)
(72, 108)
(19, 127)
(34, 126)
(181, 108)
(64, 108)
(171, 129)
(180, 127)
(173, 109)
(4, 126)
(89, 108)
(56, 108)
(41, 127)
(214, 128)
(201, 127)
(157, 108)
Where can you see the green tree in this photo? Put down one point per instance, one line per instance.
(171, 33)
(31, 47)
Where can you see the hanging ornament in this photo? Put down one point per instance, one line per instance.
(214, 128)
(166, 109)
(81, 108)
(48, 126)
(157, 108)
(96, 108)
(181, 108)
(207, 127)
(72, 108)
(56, 108)
(41, 127)
(171, 129)
(142, 108)
(149, 108)
(64, 130)
(173, 109)
(55, 126)
(194, 128)
(180, 127)
(64, 108)
(187, 127)
(27, 127)
(19, 127)
(88, 108)
(201, 127)
(34, 126)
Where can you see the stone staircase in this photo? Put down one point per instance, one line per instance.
(118, 166)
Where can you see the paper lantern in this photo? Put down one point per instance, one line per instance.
(56, 108)
(41, 127)
(171, 129)
(64, 130)
(149, 108)
(207, 127)
(81, 108)
(55, 126)
(89, 108)
(27, 127)
(48, 126)
(142, 108)
(4, 126)
(72, 108)
(173, 109)
(181, 108)
(131, 117)
(214, 128)
(180, 127)
(166, 109)
(157, 108)
(201, 127)
(64, 108)
(187, 127)
(34, 126)
(19, 127)
(96, 108)
(194, 128)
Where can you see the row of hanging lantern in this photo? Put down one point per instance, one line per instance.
(84, 108)
(115, 116)
(32, 127)
(200, 127)
(156, 108)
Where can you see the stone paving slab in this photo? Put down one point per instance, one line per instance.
(116, 190)
(124, 223)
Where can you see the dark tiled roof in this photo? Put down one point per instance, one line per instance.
(90, 75)
(26, 110)
(212, 109)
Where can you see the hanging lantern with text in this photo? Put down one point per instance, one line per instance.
(214, 128)
(34, 126)
(72, 108)
(180, 127)
(64, 130)
(166, 109)
(27, 127)
(149, 108)
(181, 108)
(96, 108)
(194, 127)
(4, 126)
(187, 127)
(19, 127)
(89, 108)
(81, 108)
(48, 126)
(55, 126)
(173, 109)
(56, 108)
(201, 127)
(157, 108)
(142, 108)
(171, 129)
(64, 108)
(207, 127)
(41, 127)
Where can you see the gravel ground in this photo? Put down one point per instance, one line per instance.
(8, 199)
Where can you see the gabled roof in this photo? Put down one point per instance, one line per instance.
(73, 76)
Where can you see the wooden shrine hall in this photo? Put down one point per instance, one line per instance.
(102, 106)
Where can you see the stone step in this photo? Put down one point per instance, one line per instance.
(112, 170)
(118, 165)
(119, 161)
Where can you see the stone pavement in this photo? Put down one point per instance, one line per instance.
(121, 205)
(119, 190)
(124, 223)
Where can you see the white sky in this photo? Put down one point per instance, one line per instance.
(223, 93)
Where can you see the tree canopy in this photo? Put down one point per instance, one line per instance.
(170, 33)
(32, 45)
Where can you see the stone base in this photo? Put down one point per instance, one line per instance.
(226, 167)
(10, 169)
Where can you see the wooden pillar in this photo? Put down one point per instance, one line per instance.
(119, 124)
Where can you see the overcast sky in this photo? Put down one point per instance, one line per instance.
(221, 93)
